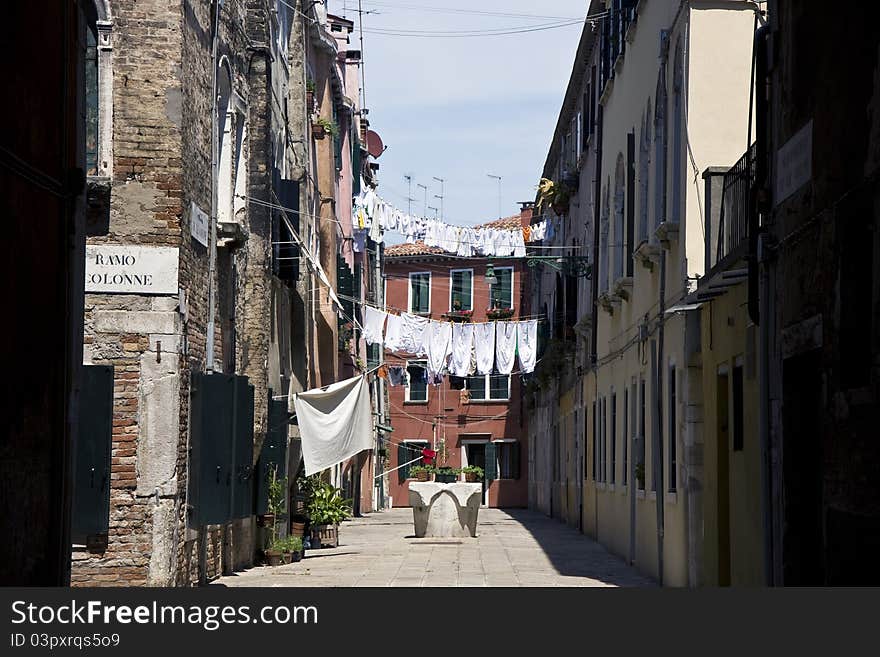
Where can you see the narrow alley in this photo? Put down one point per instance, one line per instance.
(514, 547)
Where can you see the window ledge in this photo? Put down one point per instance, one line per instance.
(610, 488)
(600, 485)
(640, 494)
(416, 403)
(623, 489)
(672, 497)
(652, 495)
(488, 401)
(647, 253)
(666, 232)
(623, 288)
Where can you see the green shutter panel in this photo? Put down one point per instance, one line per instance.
(212, 408)
(401, 459)
(91, 494)
(244, 448)
(514, 460)
(490, 471)
(273, 453)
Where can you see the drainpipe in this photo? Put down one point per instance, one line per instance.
(594, 338)
(759, 256)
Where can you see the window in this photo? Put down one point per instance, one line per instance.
(91, 80)
(619, 237)
(501, 294)
(660, 149)
(673, 433)
(640, 461)
(595, 441)
(613, 438)
(417, 381)
(497, 385)
(678, 145)
(507, 454)
(407, 451)
(461, 289)
(420, 293)
(738, 417)
(603, 447)
(630, 200)
(644, 174)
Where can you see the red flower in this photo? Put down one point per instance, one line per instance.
(428, 455)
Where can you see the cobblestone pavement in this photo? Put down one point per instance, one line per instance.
(514, 547)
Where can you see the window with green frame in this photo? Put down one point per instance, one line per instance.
(501, 293)
(462, 289)
(496, 386)
(420, 293)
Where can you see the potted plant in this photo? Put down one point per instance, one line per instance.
(322, 127)
(445, 475)
(292, 550)
(277, 494)
(326, 509)
(499, 313)
(472, 473)
(275, 552)
(298, 524)
(420, 472)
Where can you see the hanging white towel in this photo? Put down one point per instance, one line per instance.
(438, 346)
(374, 325)
(335, 423)
(412, 331)
(484, 345)
(393, 328)
(462, 348)
(527, 344)
(505, 346)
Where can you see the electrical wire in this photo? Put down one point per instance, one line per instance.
(456, 35)
(451, 10)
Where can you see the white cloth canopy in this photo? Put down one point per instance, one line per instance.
(527, 344)
(484, 345)
(335, 423)
(505, 346)
(462, 349)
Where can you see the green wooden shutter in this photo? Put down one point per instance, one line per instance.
(243, 500)
(514, 460)
(91, 494)
(273, 454)
(401, 459)
(211, 439)
(491, 469)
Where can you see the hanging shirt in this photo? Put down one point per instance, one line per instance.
(412, 333)
(527, 344)
(465, 239)
(519, 245)
(394, 325)
(438, 345)
(462, 348)
(374, 325)
(505, 346)
(396, 376)
(359, 240)
(484, 346)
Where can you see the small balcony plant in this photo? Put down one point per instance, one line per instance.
(322, 127)
(421, 472)
(472, 473)
(499, 313)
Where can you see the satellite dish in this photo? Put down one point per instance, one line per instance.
(374, 144)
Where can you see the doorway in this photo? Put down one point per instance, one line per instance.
(475, 454)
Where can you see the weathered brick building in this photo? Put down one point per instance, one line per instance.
(199, 313)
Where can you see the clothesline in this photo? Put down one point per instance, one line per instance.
(387, 308)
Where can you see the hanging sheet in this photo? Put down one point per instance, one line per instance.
(527, 344)
(484, 346)
(505, 346)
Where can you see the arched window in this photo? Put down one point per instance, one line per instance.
(678, 145)
(619, 238)
(660, 150)
(644, 173)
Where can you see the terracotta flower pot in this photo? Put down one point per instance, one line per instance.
(470, 477)
(318, 131)
(421, 476)
(273, 557)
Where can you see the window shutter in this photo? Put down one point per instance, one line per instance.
(212, 402)
(273, 453)
(91, 496)
(490, 472)
(401, 459)
(514, 460)
(243, 501)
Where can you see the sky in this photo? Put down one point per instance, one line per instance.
(460, 108)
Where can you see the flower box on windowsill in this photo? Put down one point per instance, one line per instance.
(459, 315)
(499, 313)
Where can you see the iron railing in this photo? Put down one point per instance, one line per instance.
(737, 204)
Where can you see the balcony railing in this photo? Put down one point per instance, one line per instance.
(737, 204)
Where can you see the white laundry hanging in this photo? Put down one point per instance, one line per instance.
(412, 334)
(393, 333)
(438, 346)
(527, 344)
(484, 346)
(374, 325)
(505, 346)
(335, 423)
(462, 348)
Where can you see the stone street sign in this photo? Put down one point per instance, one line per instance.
(131, 269)
(198, 224)
(794, 163)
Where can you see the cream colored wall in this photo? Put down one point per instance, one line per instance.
(622, 357)
(725, 323)
(720, 49)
